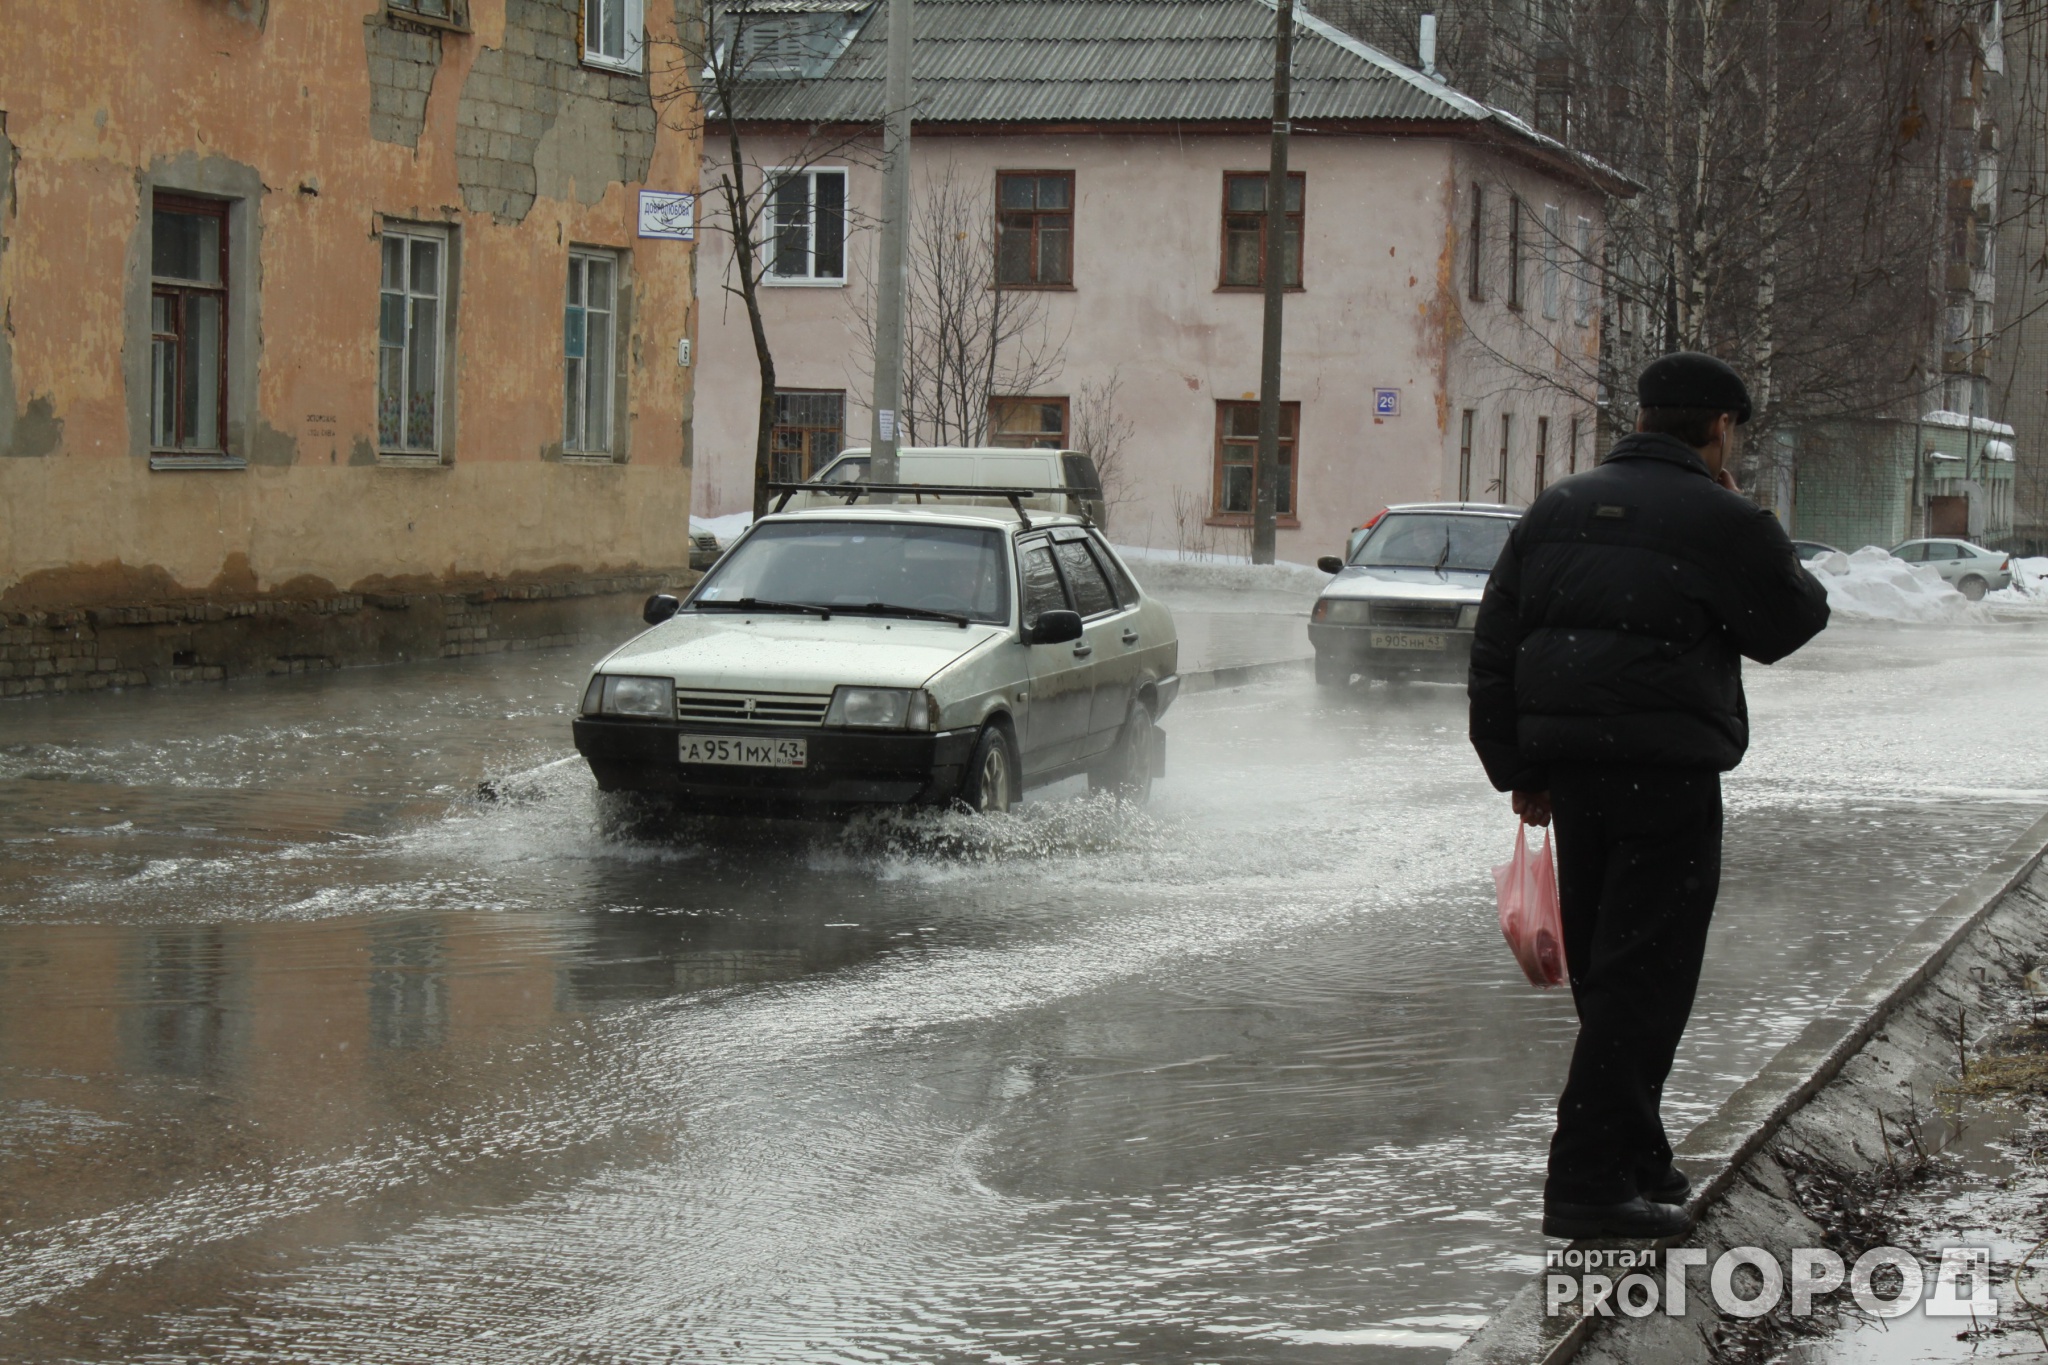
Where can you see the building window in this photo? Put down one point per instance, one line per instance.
(614, 33)
(1515, 251)
(440, 13)
(1507, 432)
(1475, 251)
(1035, 228)
(1572, 449)
(188, 311)
(410, 321)
(810, 431)
(1553, 239)
(1028, 423)
(1582, 274)
(1244, 230)
(1465, 455)
(807, 227)
(590, 352)
(1237, 455)
(1542, 454)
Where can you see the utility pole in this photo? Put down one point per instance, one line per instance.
(1266, 470)
(888, 405)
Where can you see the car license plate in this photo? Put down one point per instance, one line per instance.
(744, 751)
(1389, 639)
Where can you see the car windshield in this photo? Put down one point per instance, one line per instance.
(848, 565)
(1435, 540)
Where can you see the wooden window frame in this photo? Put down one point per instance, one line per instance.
(1467, 421)
(436, 451)
(608, 453)
(996, 434)
(1475, 260)
(1289, 520)
(180, 291)
(1572, 451)
(1542, 456)
(1297, 218)
(774, 176)
(808, 454)
(455, 21)
(1038, 215)
(634, 60)
(1582, 283)
(1507, 434)
(1551, 287)
(1515, 252)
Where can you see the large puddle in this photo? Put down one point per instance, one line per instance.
(307, 1052)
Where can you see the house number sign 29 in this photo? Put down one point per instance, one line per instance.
(1386, 402)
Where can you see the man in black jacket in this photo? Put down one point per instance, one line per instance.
(1606, 689)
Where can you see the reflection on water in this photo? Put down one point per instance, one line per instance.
(305, 1053)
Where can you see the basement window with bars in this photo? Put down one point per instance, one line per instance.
(590, 353)
(810, 431)
(188, 313)
(806, 227)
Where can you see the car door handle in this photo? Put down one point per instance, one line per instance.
(1130, 637)
(1083, 651)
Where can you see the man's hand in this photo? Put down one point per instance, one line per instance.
(1727, 480)
(1533, 807)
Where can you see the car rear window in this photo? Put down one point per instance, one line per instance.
(1435, 540)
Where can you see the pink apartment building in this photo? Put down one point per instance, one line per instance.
(1102, 163)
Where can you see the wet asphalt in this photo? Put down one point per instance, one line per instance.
(309, 1053)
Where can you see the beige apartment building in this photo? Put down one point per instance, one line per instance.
(337, 330)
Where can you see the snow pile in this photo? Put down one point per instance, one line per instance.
(1171, 571)
(1870, 585)
(725, 529)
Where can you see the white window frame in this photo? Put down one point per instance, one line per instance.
(410, 232)
(771, 233)
(580, 258)
(634, 57)
(1553, 236)
(1582, 286)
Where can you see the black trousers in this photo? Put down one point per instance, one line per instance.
(1638, 865)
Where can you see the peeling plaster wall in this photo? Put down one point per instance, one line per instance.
(361, 121)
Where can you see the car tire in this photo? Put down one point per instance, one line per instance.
(1332, 673)
(993, 779)
(1127, 771)
(1973, 588)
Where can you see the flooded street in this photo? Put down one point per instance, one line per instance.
(309, 1052)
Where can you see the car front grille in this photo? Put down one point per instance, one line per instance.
(751, 708)
(1428, 614)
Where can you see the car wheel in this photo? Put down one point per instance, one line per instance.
(991, 784)
(1128, 769)
(1332, 673)
(1972, 588)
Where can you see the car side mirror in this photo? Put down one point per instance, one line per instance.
(659, 608)
(1330, 564)
(1054, 628)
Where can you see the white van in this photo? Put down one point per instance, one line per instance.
(978, 467)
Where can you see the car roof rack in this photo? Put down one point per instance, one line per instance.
(1015, 496)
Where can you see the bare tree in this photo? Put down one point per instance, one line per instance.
(1101, 429)
(967, 339)
(727, 51)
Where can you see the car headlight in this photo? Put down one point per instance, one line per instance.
(611, 695)
(1339, 611)
(883, 708)
(1468, 617)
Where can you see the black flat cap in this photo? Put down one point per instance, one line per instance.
(1689, 379)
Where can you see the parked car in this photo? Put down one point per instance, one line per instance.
(869, 655)
(1973, 569)
(1810, 550)
(1404, 602)
(979, 466)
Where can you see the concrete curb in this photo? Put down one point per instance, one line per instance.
(1715, 1151)
(1237, 675)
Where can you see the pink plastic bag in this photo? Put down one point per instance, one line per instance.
(1529, 917)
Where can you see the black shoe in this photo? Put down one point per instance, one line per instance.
(1672, 1188)
(1637, 1220)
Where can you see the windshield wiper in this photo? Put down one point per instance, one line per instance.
(1445, 557)
(909, 613)
(762, 604)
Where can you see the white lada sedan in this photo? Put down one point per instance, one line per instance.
(853, 656)
(1404, 603)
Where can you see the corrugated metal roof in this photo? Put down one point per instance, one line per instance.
(1108, 60)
